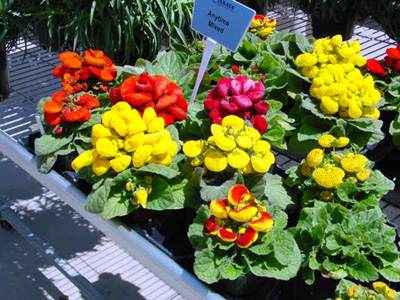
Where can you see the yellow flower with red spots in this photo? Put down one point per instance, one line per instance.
(239, 218)
(262, 26)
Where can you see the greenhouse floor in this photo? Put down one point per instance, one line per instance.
(24, 273)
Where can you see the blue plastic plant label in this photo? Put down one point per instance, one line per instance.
(224, 21)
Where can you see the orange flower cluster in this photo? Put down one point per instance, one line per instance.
(92, 71)
(158, 92)
(63, 109)
(239, 218)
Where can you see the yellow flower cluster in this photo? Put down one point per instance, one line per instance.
(337, 81)
(233, 144)
(262, 26)
(329, 170)
(328, 141)
(139, 189)
(358, 292)
(383, 289)
(126, 138)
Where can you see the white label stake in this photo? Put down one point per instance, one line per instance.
(210, 45)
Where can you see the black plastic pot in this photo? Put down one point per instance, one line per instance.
(245, 285)
(322, 288)
(4, 75)
(325, 27)
(45, 42)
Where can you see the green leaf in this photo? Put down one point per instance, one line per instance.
(159, 169)
(195, 232)
(98, 197)
(205, 266)
(283, 245)
(240, 58)
(231, 272)
(366, 125)
(275, 191)
(165, 195)
(394, 87)
(344, 191)
(270, 267)
(169, 65)
(266, 62)
(46, 162)
(174, 133)
(209, 192)
(115, 207)
(391, 273)
(48, 143)
(303, 43)
(363, 270)
(256, 185)
(377, 182)
(94, 119)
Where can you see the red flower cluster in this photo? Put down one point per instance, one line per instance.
(391, 60)
(239, 218)
(241, 97)
(78, 73)
(157, 92)
(64, 109)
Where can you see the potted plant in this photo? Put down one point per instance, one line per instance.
(240, 236)
(125, 31)
(15, 20)
(339, 242)
(385, 12)
(331, 17)
(340, 100)
(260, 6)
(343, 177)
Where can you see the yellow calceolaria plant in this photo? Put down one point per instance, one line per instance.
(329, 169)
(125, 139)
(232, 144)
(337, 80)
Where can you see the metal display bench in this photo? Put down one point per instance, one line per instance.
(136, 245)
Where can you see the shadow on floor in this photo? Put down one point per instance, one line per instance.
(53, 220)
(113, 287)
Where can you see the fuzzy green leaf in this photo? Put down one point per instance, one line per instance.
(48, 143)
(206, 267)
(275, 191)
(166, 171)
(46, 162)
(165, 195)
(98, 197)
(115, 206)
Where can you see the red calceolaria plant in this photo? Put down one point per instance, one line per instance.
(391, 61)
(79, 73)
(239, 96)
(157, 92)
(239, 218)
(64, 110)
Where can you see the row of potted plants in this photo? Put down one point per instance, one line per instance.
(130, 134)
